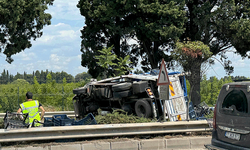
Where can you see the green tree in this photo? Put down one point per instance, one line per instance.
(43, 77)
(49, 78)
(222, 25)
(215, 89)
(106, 60)
(4, 78)
(37, 74)
(21, 21)
(189, 54)
(8, 77)
(122, 66)
(69, 77)
(18, 76)
(11, 78)
(20, 82)
(82, 76)
(205, 91)
(154, 25)
(228, 79)
(64, 81)
(30, 78)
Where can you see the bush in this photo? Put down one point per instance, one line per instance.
(120, 116)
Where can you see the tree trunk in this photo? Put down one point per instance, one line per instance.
(150, 53)
(194, 80)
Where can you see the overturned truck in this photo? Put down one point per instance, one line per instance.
(135, 94)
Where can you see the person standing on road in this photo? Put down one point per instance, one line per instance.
(32, 108)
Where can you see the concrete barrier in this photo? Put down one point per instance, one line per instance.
(178, 143)
(125, 145)
(188, 143)
(156, 144)
(66, 147)
(96, 146)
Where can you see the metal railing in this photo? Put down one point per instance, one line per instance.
(90, 131)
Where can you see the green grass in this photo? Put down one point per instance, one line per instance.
(120, 116)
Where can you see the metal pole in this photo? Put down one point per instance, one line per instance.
(168, 99)
(164, 95)
(62, 98)
(18, 96)
(187, 116)
(164, 106)
(164, 111)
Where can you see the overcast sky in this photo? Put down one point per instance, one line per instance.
(59, 47)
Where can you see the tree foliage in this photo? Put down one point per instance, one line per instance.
(210, 88)
(20, 82)
(82, 76)
(138, 28)
(122, 66)
(107, 59)
(189, 54)
(156, 25)
(21, 21)
(120, 116)
(53, 96)
(41, 77)
(221, 25)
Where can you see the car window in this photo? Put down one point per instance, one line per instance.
(236, 99)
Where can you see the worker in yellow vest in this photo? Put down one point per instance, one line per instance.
(31, 107)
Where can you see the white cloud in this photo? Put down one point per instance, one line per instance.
(59, 34)
(80, 69)
(54, 58)
(238, 63)
(58, 49)
(26, 55)
(18, 67)
(67, 10)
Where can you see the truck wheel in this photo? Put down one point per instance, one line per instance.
(122, 87)
(143, 109)
(81, 90)
(122, 94)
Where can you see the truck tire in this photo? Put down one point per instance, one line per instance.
(121, 86)
(143, 109)
(80, 90)
(122, 94)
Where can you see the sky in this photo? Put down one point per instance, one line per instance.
(59, 47)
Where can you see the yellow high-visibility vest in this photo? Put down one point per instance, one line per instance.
(31, 107)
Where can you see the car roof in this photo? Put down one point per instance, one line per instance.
(237, 83)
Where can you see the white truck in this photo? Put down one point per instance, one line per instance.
(135, 94)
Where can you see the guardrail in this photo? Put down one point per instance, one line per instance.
(50, 114)
(90, 131)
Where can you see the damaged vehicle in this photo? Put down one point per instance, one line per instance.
(231, 122)
(135, 94)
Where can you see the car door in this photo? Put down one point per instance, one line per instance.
(233, 115)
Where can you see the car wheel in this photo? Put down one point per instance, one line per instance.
(121, 87)
(122, 94)
(143, 109)
(81, 90)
